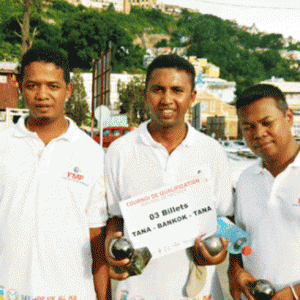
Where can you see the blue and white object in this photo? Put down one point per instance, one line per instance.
(236, 237)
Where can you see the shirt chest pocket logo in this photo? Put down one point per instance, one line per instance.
(75, 175)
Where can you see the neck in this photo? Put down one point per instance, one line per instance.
(46, 129)
(169, 137)
(275, 166)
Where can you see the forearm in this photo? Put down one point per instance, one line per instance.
(102, 281)
(235, 264)
(100, 266)
(239, 279)
(114, 224)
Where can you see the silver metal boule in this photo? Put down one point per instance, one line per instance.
(263, 290)
(213, 244)
(139, 258)
(121, 248)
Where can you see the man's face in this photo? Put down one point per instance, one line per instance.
(44, 90)
(266, 128)
(169, 95)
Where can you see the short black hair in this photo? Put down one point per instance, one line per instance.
(259, 91)
(172, 61)
(45, 54)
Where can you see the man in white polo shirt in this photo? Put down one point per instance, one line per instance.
(52, 194)
(164, 151)
(268, 196)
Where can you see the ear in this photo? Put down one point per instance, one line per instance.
(69, 89)
(289, 116)
(193, 97)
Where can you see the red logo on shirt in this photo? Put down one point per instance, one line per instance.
(75, 176)
(297, 203)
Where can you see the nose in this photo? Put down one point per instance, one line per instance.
(167, 97)
(260, 131)
(42, 92)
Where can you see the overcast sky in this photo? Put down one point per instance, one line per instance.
(271, 16)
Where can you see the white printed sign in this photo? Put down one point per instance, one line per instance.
(170, 218)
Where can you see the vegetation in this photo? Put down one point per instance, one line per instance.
(77, 107)
(82, 33)
(132, 101)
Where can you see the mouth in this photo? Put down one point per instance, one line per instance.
(43, 108)
(263, 146)
(166, 112)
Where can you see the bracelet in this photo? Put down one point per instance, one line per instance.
(293, 291)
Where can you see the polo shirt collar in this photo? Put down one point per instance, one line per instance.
(258, 166)
(296, 162)
(147, 139)
(72, 133)
(21, 131)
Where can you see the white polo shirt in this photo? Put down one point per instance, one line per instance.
(136, 164)
(49, 198)
(268, 209)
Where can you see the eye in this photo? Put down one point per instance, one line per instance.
(266, 123)
(156, 89)
(247, 127)
(54, 86)
(30, 86)
(177, 90)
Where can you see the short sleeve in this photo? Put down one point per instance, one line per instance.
(112, 170)
(238, 208)
(96, 210)
(223, 184)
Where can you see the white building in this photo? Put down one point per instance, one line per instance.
(220, 88)
(119, 5)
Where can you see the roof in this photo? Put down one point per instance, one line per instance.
(203, 95)
(285, 86)
(8, 67)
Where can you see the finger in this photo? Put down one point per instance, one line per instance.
(220, 257)
(201, 249)
(236, 294)
(118, 234)
(248, 295)
(118, 263)
(115, 235)
(199, 238)
(118, 276)
(246, 290)
(224, 242)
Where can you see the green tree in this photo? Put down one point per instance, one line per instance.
(111, 7)
(9, 52)
(77, 107)
(272, 41)
(30, 7)
(88, 33)
(161, 43)
(133, 102)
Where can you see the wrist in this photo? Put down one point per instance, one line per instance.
(234, 270)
